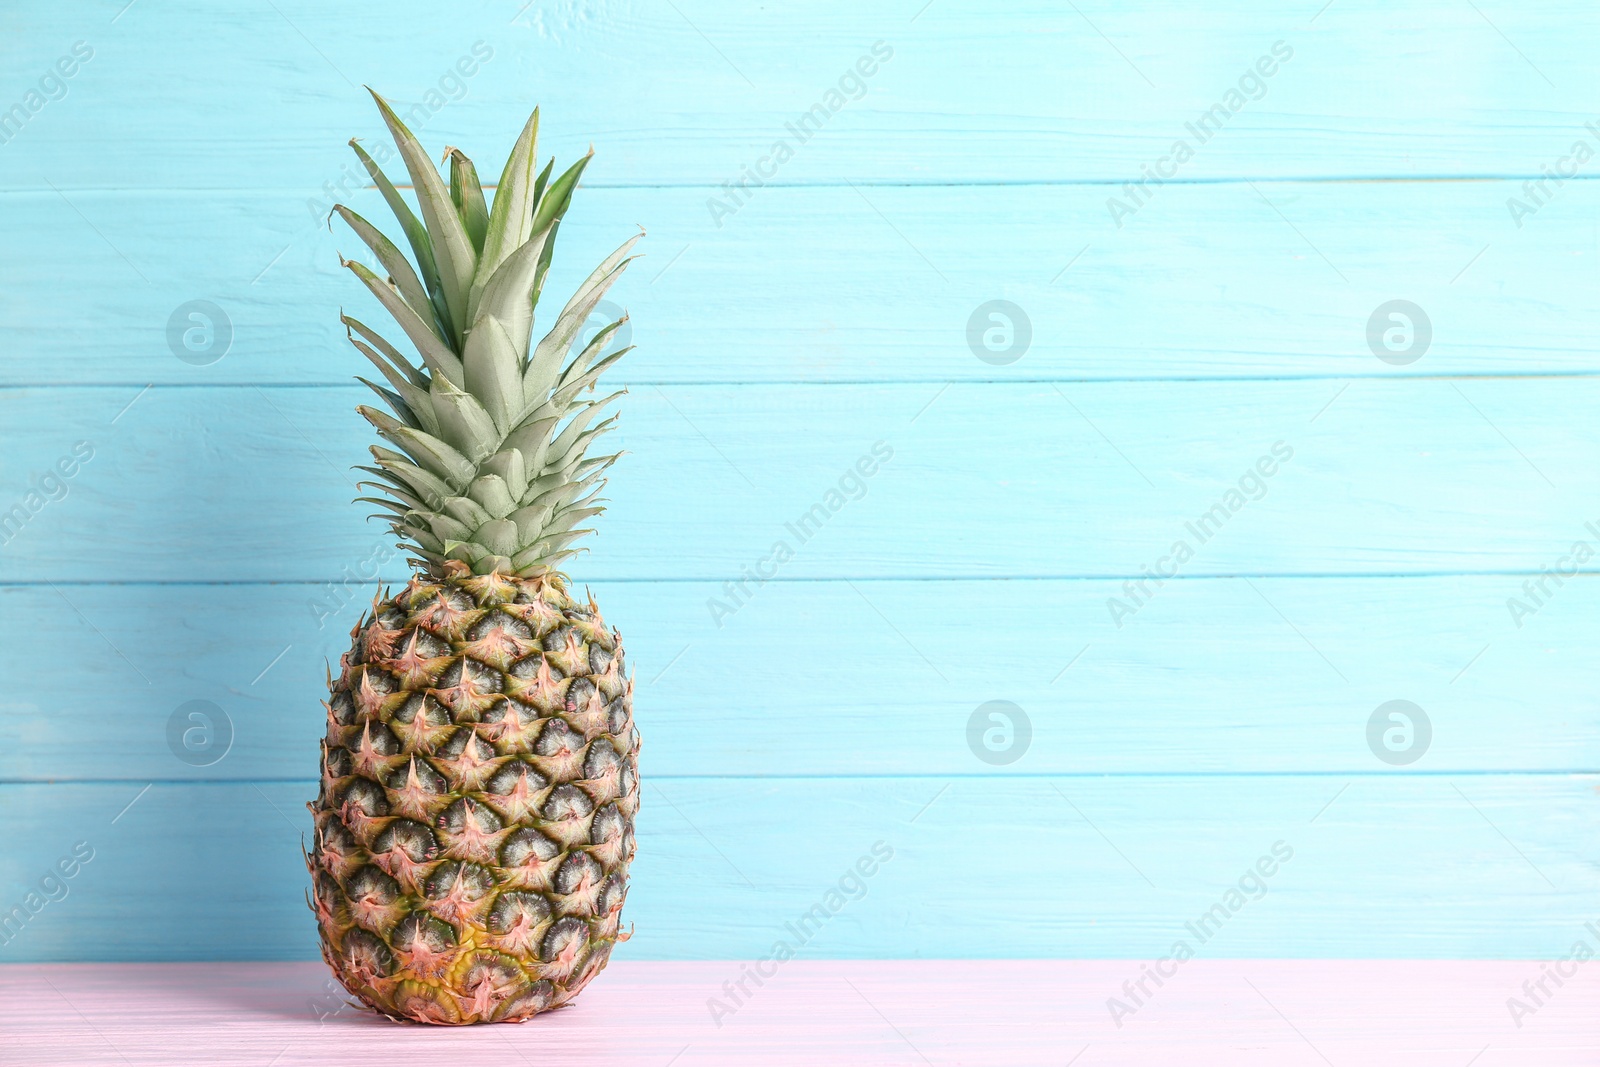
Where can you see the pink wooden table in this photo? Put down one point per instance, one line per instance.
(916, 1012)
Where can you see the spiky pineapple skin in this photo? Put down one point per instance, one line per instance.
(474, 824)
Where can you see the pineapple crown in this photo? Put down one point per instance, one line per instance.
(491, 431)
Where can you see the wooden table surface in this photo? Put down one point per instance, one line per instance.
(917, 1012)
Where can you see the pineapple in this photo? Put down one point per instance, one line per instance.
(479, 781)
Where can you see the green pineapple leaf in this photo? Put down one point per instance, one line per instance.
(417, 401)
(453, 251)
(398, 266)
(399, 362)
(512, 211)
(416, 234)
(467, 195)
(463, 422)
(544, 365)
(438, 356)
(491, 368)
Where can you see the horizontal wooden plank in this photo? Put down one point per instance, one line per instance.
(676, 93)
(842, 678)
(848, 284)
(1000, 1013)
(1108, 867)
(1025, 480)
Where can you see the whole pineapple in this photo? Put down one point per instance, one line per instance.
(474, 824)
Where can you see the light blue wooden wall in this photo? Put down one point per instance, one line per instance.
(198, 554)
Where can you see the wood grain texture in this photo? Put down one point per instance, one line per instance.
(193, 557)
(879, 284)
(865, 678)
(1016, 1013)
(1397, 864)
(1026, 480)
(1027, 91)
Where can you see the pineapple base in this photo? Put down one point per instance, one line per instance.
(474, 824)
